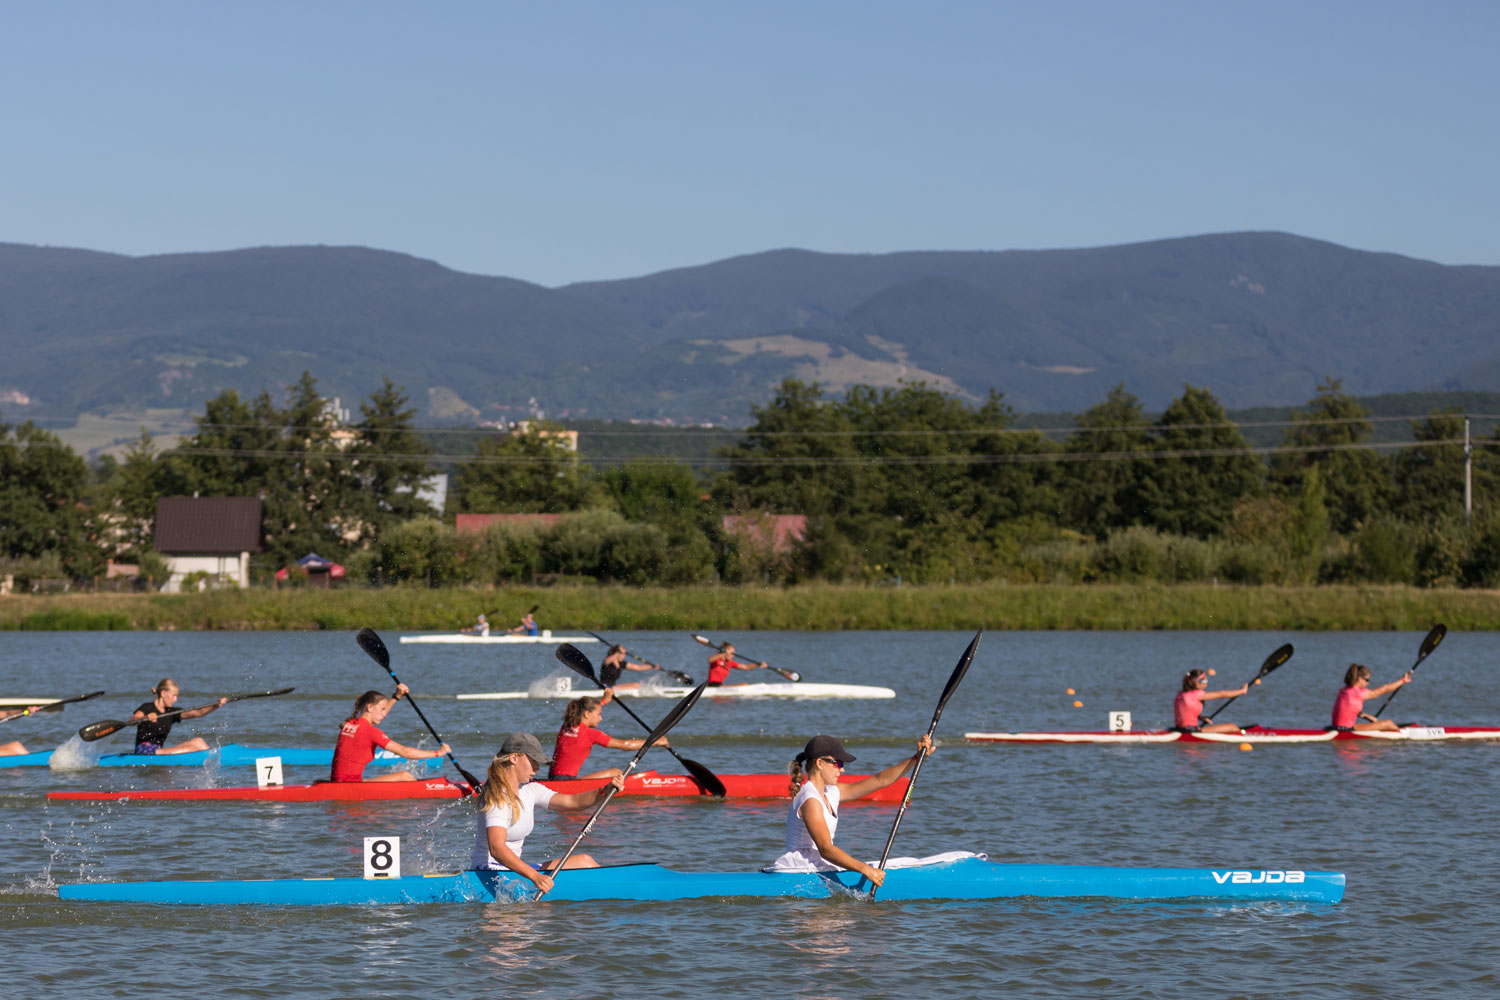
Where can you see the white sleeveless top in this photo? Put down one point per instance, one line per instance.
(802, 855)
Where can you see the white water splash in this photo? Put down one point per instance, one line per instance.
(76, 755)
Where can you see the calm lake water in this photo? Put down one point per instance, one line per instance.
(1414, 826)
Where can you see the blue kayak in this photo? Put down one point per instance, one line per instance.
(228, 755)
(969, 878)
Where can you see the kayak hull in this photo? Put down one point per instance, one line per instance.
(456, 639)
(228, 755)
(642, 783)
(562, 688)
(1256, 735)
(970, 878)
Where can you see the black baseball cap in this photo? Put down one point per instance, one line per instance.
(826, 746)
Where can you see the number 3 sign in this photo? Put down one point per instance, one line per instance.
(382, 857)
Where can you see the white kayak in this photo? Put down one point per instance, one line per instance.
(26, 702)
(459, 639)
(562, 687)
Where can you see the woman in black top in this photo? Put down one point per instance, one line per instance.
(151, 734)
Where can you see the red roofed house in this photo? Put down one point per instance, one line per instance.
(776, 533)
(213, 535)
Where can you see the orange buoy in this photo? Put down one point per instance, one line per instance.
(1211, 671)
(1071, 691)
(1077, 704)
(1246, 746)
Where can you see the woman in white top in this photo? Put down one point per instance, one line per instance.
(813, 817)
(507, 805)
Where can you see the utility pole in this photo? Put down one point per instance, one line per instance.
(1468, 475)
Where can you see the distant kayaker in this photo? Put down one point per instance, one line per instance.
(722, 662)
(813, 817)
(579, 735)
(15, 747)
(507, 810)
(1348, 707)
(1187, 707)
(151, 734)
(480, 627)
(527, 626)
(360, 735)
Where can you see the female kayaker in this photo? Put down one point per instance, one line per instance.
(507, 810)
(813, 817)
(151, 734)
(1348, 707)
(617, 662)
(722, 662)
(578, 736)
(1187, 707)
(360, 735)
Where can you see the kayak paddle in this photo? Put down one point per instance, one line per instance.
(676, 675)
(579, 664)
(1428, 645)
(1273, 661)
(373, 645)
(51, 706)
(952, 685)
(790, 675)
(673, 717)
(99, 730)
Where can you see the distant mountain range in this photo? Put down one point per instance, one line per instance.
(1258, 318)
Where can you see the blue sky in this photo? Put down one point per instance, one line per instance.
(558, 142)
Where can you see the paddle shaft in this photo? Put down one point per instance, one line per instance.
(952, 685)
(374, 646)
(790, 675)
(1275, 660)
(673, 717)
(1428, 645)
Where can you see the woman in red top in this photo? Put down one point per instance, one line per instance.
(1187, 707)
(720, 665)
(1348, 707)
(578, 736)
(359, 736)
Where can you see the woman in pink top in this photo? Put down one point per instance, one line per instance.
(1348, 707)
(1187, 707)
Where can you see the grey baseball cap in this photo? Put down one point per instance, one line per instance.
(523, 743)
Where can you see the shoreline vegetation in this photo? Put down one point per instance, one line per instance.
(811, 607)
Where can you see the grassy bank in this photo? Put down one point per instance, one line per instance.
(809, 607)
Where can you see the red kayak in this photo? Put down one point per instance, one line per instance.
(738, 786)
(1254, 735)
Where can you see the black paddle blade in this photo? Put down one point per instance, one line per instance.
(678, 676)
(570, 657)
(57, 706)
(706, 779)
(98, 730)
(1275, 660)
(1431, 642)
(958, 675)
(372, 644)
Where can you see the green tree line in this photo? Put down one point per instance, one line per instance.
(895, 484)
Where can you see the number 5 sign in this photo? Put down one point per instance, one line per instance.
(382, 857)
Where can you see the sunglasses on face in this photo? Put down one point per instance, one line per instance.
(834, 761)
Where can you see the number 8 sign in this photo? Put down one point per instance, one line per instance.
(382, 857)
